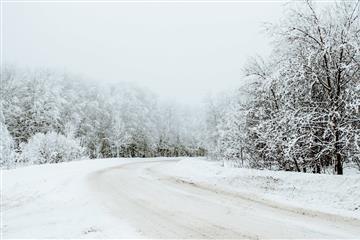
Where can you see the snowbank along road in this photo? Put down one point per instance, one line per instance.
(161, 206)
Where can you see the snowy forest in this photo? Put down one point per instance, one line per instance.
(50, 118)
(297, 110)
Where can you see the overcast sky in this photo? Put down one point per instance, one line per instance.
(180, 51)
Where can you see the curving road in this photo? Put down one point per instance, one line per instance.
(160, 206)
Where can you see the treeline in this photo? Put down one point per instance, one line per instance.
(300, 110)
(49, 117)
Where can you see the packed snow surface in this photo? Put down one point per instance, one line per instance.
(174, 198)
(55, 201)
(334, 194)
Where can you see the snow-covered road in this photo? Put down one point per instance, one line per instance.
(168, 198)
(161, 206)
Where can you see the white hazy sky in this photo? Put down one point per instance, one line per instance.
(181, 51)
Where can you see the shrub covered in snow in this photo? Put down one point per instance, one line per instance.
(51, 148)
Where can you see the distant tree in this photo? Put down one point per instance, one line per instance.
(232, 133)
(7, 145)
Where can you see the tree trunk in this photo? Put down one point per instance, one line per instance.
(338, 157)
(338, 165)
(296, 165)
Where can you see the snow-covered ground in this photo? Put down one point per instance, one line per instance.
(332, 194)
(174, 198)
(54, 201)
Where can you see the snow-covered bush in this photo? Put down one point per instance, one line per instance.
(7, 151)
(51, 148)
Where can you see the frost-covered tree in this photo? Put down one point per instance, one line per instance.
(118, 137)
(31, 103)
(214, 113)
(232, 133)
(303, 108)
(7, 145)
(321, 52)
